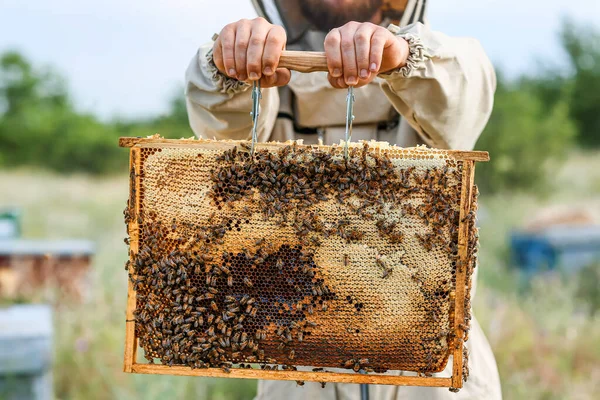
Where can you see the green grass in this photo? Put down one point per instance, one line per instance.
(546, 340)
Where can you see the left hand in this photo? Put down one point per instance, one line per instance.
(357, 52)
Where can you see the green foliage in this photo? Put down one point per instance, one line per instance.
(582, 44)
(40, 127)
(523, 137)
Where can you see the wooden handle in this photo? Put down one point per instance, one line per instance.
(303, 61)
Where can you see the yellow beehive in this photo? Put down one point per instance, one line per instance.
(252, 267)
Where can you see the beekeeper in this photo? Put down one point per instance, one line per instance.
(413, 86)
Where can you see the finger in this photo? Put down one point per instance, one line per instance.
(256, 45)
(363, 82)
(274, 45)
(227, 39)
(242, 37)
(338, 82)
(349, 54)
(378, 41)
(362, 44)
(280, 77)
(334, 53)
(218, 56)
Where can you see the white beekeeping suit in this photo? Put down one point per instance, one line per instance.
(443, 97)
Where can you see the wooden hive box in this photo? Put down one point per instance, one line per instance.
(299, 264)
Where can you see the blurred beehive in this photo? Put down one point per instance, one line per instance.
(297, 257)
(39, 269)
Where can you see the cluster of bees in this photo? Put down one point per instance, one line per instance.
(204, 311)
(201, 307)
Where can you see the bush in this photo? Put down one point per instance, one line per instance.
(523, 138)
(40, 127)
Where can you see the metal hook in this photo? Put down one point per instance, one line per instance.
(256, 96)
(349, 118)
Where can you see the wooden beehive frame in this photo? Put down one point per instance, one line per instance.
(455, 380)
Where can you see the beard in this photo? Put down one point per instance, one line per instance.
(326, 15)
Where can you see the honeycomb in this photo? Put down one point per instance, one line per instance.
(297, 256)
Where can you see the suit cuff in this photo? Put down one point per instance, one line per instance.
(417, 54)
(224, 83)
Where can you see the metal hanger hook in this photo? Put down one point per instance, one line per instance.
(256, 96)
(349, 118)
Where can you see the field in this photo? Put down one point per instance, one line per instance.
(545, 335)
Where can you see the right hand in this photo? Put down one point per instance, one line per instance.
(249, 50)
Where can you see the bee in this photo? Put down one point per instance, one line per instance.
(224, 269)
(230, 280)
(279, 264)
(387, 272)
(292, 355)
(323, 385)
(229, 299)
(346, 260)
(300, 383)
(248, 282)
(300, 336)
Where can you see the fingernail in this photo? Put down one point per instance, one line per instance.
(253, 76)
(352, 80)
(337, 72)
(268, 70)
(232, 72)
(242, 77)
(364, 73)
(373, 67)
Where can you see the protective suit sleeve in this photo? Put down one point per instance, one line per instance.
(446, 89)
(219, 106)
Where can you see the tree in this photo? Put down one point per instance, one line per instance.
(523, 136)
(582, 44)
(39, 126)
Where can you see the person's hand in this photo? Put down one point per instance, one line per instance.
(357, 52)
(249, 50)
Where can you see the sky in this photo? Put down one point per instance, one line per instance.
(127, 58)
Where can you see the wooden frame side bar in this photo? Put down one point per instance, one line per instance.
(133, 229)
(468, 175)
(131, 142)
(292, 375)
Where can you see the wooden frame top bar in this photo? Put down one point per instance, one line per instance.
(479, 156)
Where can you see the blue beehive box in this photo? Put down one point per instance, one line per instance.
(565, 247)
